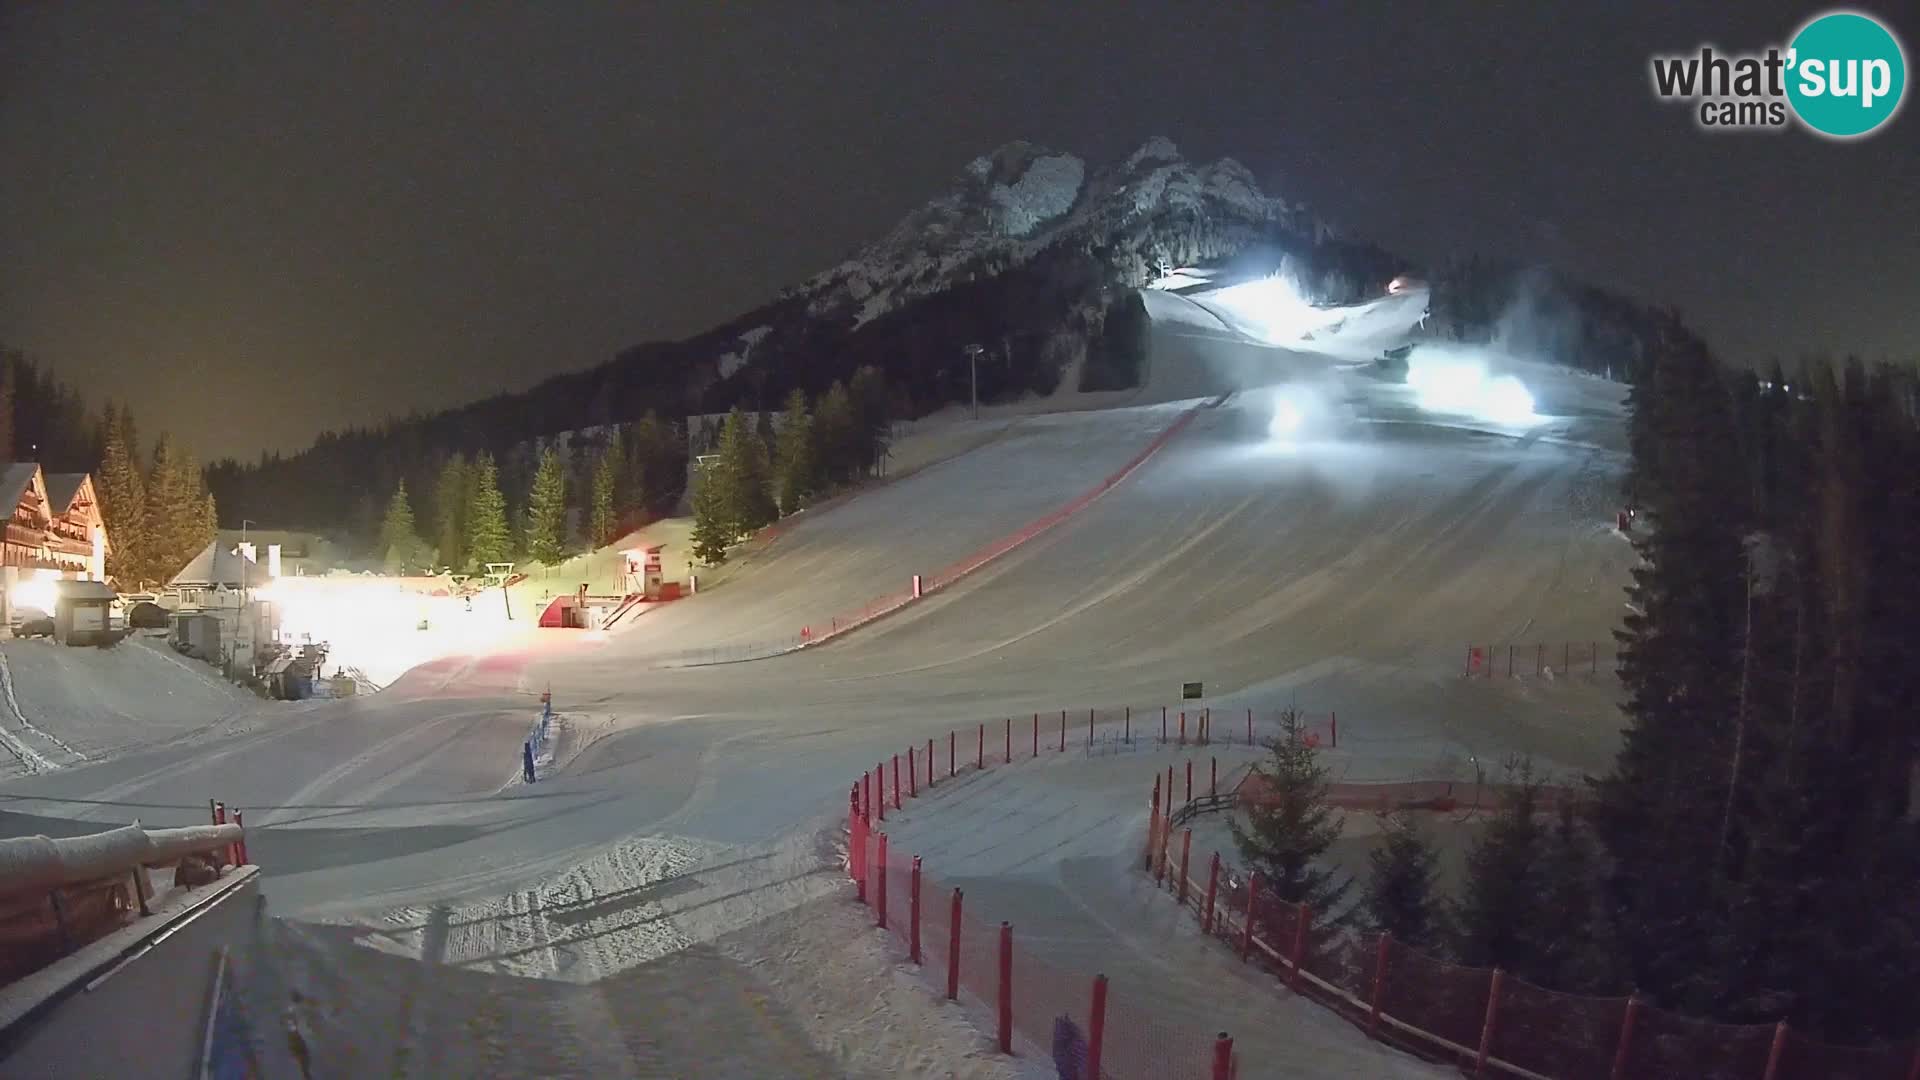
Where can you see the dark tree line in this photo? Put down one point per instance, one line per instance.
(1755, 852)
(763, 471)
(155, 501)
(1772, 740)
(540, 502)
(43, 419)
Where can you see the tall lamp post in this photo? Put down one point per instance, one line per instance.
(973, 376)
(246, 593)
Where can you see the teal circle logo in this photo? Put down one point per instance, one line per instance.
(1846, 74)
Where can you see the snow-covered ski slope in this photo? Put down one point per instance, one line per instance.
(1348, 572)
(61, 707)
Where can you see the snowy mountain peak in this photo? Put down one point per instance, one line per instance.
(1007, 206)
(1157, 149)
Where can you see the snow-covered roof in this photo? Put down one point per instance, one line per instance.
(216, 564)
(14, 481)
(62, 488)
(85, 590)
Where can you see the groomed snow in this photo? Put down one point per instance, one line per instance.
(1346, 573)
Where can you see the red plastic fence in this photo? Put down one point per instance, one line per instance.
(1491, 1023)
(1135, 1041)
(1537, 659)
(963, 954)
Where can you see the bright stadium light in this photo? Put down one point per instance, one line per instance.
(38, 592)
(1273, 309)
(1447, 383)
(1286, 421)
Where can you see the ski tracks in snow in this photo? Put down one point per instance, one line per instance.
(19, 733)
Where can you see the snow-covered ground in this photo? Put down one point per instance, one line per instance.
(675, 847)
(1053, 845)
(61, 706)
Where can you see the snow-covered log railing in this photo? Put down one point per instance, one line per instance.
(58, 894)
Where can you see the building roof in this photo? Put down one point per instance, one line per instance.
(216, 564)
(14, 481)
(62, 488)
(84, 590)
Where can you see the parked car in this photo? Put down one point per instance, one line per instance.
(147, 615)
(34, 623)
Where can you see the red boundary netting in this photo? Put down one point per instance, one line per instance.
(1802, 1058)
(1134, 1041)
(960, 568)
(1441, 1009)
(1537, 659)
(1438, 1008)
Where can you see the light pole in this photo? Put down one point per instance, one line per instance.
(246, 593)
(973, 376)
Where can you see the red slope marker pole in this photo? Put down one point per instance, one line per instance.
(953, 949)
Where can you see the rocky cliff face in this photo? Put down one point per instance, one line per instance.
(1021, 202)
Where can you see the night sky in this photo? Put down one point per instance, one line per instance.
(262, 220)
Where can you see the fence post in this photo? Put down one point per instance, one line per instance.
(865, 790)
(913, 774)
(952, 742)
(1153, 821)
(880, 787)
(1163, 724)
(1539, 658)
(1510, 648)
(1162, 837)
(856, 857)
(1778, 1048)
(1566, 658)
(1249, 728)
(1333, 728)
(213, 816)
(1206, 725)
(1063, 731)
(1186, 850)
(1595, 650)
(1300, 946)
(1036, 734)
(1213, 778)
(981, 761)
(1183, 727)
(1487, 1028)
(1626, 1037)
(1189, 780)
(896, 781)
(1379, 982)
(1222, 1057)
(1096, 1026)
(913, 913)
(1089, 729)
(1246, 932)
(1213, 887)
(1128, 738)
(1009, 734)
(239, 846)
(929, 763)
(953, 949)
(880, 887)
(1006, 988)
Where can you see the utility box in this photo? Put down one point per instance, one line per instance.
(643, 575)
(196, 634)
(82, 613)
